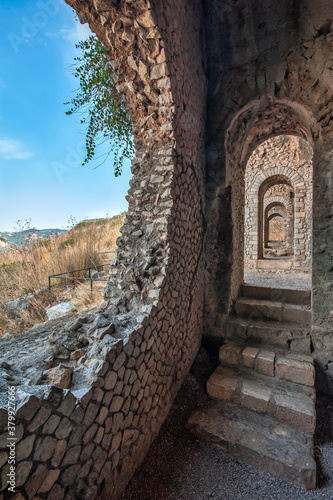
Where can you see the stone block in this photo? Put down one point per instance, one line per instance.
(24, 448)
(102, 415)
(60, 376)
(87, 451)
(296, 411)
(22, 473)
(116, 403)
(64, 429)
(248, 356)
(72, 456)
(110, 380)
(35, 481)
(40, 419)
(99, 435)
(222, 386)
(67, 405)
(49, 480)
(57, 493)
(44, 448)
(90, 414)
(265, 362)
(68, 477)
(294, 314)
(294, 370)
(229, 354)
(28, 408)
(255, 397)
(90, 433)
(51, 424)
(59, 452)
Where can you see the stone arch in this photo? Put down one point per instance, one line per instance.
(276, 224)
(256, 123)
(268, 179)
(272, 200)
(288, 207)
(276, 162)
(273, 209)
(257, 92)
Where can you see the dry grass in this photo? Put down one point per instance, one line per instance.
(26, 269)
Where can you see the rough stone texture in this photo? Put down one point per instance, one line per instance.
(263, 64)
(125, 381)
(256, 439)
(258, 378)
(206, 83)
(278, 182)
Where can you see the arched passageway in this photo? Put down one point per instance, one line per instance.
(279, 173)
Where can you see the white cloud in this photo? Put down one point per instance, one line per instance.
(75, 34)
(11, 149)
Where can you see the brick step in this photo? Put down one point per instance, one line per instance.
(257, 310)
(288, 403)
(270, 333)
(258, 440)
(284, 295)
(293, 367)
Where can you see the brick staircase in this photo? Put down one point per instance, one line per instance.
(263, 398)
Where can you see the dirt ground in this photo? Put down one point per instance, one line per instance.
(179, 467)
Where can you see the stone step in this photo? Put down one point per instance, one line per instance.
(288, 403)
(284, 295)
(254, 309)
(278, 264)
(258, 440)
(293, 367)
(283, 335)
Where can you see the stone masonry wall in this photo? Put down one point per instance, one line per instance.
(92, 395)
(276, 227)
(282, 159)
(269, 73)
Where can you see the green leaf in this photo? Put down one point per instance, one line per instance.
(98, 100)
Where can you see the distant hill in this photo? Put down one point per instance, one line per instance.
(20, 237)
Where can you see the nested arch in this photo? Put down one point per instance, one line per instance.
(265, 204)
(278, 170)
(275, 209)
(256, 123)
(276, 229)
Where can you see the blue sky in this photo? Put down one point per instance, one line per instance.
(42, 149)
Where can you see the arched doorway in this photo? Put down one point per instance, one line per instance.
(278, 195)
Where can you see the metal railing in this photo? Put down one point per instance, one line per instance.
(65, 278)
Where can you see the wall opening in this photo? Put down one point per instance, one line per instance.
(276, 196)
(278, 206)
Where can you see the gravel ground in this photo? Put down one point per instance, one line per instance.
(179, 467)
(279, 279)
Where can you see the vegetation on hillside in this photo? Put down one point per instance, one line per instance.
(100, 105)
(26, 269)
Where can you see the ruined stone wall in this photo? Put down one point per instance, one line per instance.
(125, 363)
(283, 159)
